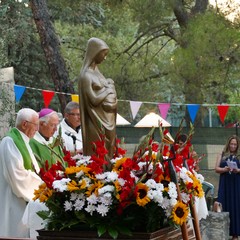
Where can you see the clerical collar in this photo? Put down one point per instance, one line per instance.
(77, 128)
(46, 138)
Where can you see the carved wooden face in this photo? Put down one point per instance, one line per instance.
(101, 56)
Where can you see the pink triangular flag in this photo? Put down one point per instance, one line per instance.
(163, 109)
(134, 105)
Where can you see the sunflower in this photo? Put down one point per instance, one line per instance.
(180, 213)
(165, 180)
(118, 165)
(141, 195)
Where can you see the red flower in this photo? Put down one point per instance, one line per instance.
(97, 165)
(68, 158)
(155, 147)
(48, 175)
(166, 150)
(48, 178)
(165, 132)
(189, 185)
(178, 162)
(157, 175)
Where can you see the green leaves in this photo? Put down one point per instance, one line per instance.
(43, 214)
(113, 230)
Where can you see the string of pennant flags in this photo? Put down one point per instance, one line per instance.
(134, 105)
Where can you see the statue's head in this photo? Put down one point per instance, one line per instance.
(96, 50)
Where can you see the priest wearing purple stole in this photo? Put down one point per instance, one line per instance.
(18, 174)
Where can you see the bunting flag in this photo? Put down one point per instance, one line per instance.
(47, 97)
(163, 109)
(192, 110)
(134, 105)
(222, 111)
(18, 90)
(75, 98)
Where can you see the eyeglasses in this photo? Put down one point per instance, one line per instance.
(35, 124)
(52, 125)
(74, 114)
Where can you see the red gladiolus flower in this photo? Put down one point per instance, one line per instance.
(68, 158)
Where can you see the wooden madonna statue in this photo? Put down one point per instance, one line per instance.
(98, 99)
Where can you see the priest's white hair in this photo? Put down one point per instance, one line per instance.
(25, 114)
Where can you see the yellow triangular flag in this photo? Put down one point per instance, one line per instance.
(75, 98)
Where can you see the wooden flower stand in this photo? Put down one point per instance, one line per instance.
(168, 233)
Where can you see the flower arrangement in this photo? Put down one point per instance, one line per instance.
(143, 193)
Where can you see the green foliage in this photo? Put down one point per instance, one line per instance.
(20, 48)
(145, 63)
(151, 15)
(209, 58)
(151, 59)
(77, 12)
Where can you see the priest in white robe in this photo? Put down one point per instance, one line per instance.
(18, 174)
(71, 128)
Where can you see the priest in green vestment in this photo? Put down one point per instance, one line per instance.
(18, 174)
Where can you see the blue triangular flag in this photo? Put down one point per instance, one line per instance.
(192, 110)
(19, 90)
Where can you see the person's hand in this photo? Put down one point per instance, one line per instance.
(236, 170)
(227, 169)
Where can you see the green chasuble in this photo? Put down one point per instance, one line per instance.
(19, 142)
(43, 153)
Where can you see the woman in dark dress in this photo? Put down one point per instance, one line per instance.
(228, 166)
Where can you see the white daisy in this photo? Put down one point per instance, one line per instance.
(102, 209)
(61, 185)
(79, 204)
(68, 206)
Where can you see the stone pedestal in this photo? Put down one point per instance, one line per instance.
(216, 226)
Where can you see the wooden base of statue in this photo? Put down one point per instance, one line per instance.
(168, 233)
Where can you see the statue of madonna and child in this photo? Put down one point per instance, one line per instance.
(98, 99)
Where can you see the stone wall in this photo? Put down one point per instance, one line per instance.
(215, 226)
(7, 100)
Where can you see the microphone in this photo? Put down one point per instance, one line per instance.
(72, 136)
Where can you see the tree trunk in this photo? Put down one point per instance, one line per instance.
(51, 47)
(192, 93)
